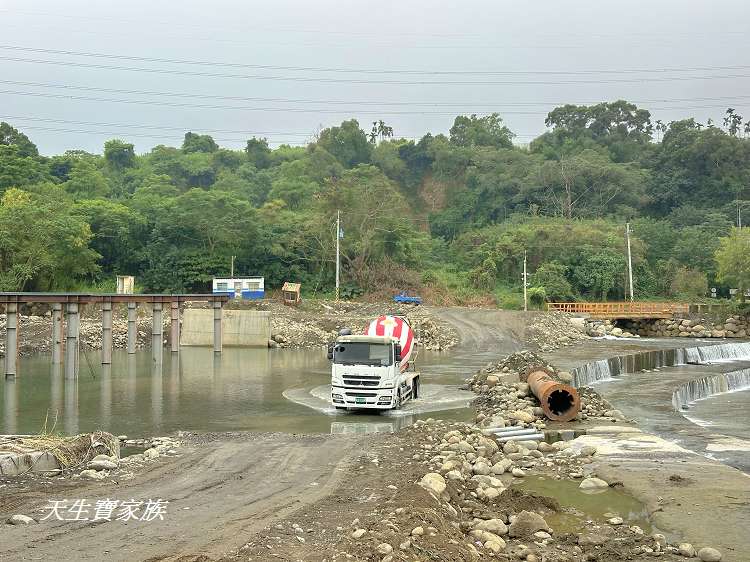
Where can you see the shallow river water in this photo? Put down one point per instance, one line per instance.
(239, 389)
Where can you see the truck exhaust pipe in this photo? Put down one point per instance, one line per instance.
(559, 401)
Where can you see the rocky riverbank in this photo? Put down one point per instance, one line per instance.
(733, 327)
(447, 491)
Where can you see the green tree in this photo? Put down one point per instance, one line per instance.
(199, 143)
(481, 131)
(17, 170)
(116, 231)
(42, 245)
(348, 143)
(376, 223)
(258, 153)
(733, 260)
(85, 181)
(689, 283)
(118, 154)
(623, 129)
(599, 273)
(10, 136)
(552, 276)
(588, 184)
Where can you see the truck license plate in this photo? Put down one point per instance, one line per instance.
(360, 400)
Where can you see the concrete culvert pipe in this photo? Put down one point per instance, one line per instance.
(559, 401)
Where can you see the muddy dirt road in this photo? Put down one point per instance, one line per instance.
(221, 490)
(490, 332)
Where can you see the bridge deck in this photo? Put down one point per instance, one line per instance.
(87, 298)
(621, 310)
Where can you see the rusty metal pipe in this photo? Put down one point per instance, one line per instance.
(559, 401)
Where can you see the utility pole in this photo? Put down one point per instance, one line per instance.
(525, 302)
(231, 274)
(630, 261)
(739, 214)
(338, 249)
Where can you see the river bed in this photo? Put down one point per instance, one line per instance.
(239, 389)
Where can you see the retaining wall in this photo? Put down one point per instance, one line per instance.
(240, 328)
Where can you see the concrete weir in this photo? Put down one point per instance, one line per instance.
(605, 369)
(66, 335)
(705, 387)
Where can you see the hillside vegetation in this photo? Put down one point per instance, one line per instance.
(449, 216)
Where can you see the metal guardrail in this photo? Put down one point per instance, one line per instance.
(622, 309)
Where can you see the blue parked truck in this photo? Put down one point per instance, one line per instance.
(404, 298)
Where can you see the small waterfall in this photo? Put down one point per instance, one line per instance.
(605, 369)
(705, 387)
(713, 353)
(595, 371)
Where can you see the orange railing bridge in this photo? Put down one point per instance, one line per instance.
(622, 310)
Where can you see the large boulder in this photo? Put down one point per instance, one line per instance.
(493, 526)
(708, 554)
(433, 482)
(590, 484)
(19, 519)
(526, 524)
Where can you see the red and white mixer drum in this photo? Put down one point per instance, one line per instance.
(396, 327)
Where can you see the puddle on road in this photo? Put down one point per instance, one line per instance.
(129, 451)
(433, 398)
(578, 506)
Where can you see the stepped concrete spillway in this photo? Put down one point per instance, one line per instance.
(657, 382)
(706, 387)
(604, 369)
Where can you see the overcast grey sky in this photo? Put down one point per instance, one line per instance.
(415, 64)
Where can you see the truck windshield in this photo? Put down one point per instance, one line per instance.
(361, 353)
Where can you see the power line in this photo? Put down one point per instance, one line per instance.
(115, 134)
(183, 129)
(156, 127)
(419, 72)
(343, 111)
(475, 107)
(177, 72)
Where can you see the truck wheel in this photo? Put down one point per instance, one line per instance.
(415, 388)
(397, 405)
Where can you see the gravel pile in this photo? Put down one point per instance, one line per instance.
(505, 400)
(552, 330)
(316, 323)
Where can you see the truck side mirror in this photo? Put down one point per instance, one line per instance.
(330, 351)
(398, 353)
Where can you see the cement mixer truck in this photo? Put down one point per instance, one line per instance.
(374, 371)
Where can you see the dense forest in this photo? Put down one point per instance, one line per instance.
(448, 216)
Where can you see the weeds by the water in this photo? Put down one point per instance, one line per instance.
(70, 452)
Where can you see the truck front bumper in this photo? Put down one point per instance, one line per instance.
(367, 398)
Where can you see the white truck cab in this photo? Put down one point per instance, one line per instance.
(366, 373)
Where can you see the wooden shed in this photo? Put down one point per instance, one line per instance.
(291, 293)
